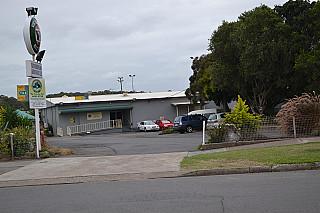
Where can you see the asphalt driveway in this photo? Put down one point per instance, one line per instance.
(129, 143)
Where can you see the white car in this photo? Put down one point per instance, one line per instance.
(215, 119)
(147, 126)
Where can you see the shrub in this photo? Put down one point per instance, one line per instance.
(167, 131)
(223, 133)
(246, 122)
(9, 117)
(306, 111)
(21, 143)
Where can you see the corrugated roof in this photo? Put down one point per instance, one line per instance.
(119, 97)
(25, 115)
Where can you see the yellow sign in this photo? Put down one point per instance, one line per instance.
(72, 120)
(94, 115)
(22, 93)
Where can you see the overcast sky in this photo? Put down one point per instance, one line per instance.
(89, 44)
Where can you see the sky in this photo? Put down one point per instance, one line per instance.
(89, 44)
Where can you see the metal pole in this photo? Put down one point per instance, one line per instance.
(12, 153)
(37, 132)
(294, 127)
(132, 76)
(36, 110)
(203, 131)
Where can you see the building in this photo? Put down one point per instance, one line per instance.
(128, 108)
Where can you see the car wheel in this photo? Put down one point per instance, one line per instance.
(189, 129)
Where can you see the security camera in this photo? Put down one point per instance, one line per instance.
(32, 11)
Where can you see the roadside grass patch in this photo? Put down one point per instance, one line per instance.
(268, 156)
(168, 131)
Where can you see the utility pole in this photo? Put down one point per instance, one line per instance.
(120, 79)
(132, 76)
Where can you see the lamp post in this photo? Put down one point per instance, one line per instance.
(132, 76)
(120, 79)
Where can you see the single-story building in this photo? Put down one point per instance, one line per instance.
(65, 114)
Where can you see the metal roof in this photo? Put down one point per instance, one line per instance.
(25, 115)
(119, 97)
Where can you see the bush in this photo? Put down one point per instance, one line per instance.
(246, 122)
(167, 131)
(306, 111)
(21, 143)
(223, 133)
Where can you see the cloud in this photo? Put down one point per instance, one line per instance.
(91, 43)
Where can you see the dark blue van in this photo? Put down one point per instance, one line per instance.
(188, 123)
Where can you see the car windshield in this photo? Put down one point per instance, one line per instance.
(166, 121)
(212, 117)
(149, 123)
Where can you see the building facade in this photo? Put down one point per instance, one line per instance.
(130, 108)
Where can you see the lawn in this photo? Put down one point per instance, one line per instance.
(268, 156)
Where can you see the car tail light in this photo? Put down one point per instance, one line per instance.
(180, 124)
(216, 121)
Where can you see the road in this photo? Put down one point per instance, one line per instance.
(130, 143)
(264, 192)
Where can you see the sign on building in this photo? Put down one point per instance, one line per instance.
(37, 93)
(22, 92)
(94, 115)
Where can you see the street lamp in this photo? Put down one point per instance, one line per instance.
(132, 76)
(120, 79)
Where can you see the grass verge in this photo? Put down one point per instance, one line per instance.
(268, 156)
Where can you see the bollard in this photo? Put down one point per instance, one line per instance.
(294, 127)
(11, 138)
(42, 139)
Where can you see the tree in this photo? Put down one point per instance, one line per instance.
(9, 117)
(242, 118)
(200, 80)
(263, 56)
(308, 62)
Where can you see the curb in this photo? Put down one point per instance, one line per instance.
(92, 178)
(253, 169)
(155, 175)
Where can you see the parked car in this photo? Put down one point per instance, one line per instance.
(147, 126)
(205, 112)
(164, 124)
(215, 119)
(188, 123)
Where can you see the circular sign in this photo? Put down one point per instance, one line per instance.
(32, 35)
(36, 85)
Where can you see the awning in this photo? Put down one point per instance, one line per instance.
(181, 103)
(95, 109)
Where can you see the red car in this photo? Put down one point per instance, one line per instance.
(164, 124)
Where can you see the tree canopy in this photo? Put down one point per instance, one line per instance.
(266, 56)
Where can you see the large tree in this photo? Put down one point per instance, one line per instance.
(256, 55)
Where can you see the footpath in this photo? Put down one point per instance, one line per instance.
(125, 167)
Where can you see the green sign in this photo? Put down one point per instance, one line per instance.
(23, 93)
(32, 35)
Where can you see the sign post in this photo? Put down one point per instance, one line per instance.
(37, 92)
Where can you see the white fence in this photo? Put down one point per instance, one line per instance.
(91, 127)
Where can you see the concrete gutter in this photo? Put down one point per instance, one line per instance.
(254, 169)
